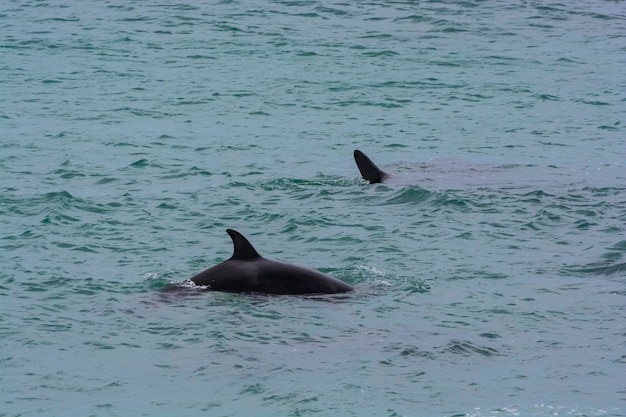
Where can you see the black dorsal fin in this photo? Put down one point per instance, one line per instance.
(369, 170)
(242, 248)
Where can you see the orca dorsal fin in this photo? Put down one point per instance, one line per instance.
(369, 170)
(242, 248)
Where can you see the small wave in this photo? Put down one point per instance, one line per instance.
(515, 410)
(466, 348)
(596, 269)
(178, 289)
(371, 270)
(411, 195)
(610, 265)
(377, 54)
(58, 197)
(404, 350)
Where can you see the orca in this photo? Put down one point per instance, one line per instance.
(247, 271)
(369, 170)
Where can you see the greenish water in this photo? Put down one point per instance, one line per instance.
(489, 273)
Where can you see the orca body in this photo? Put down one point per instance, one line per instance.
(369, 170)
(247, 271)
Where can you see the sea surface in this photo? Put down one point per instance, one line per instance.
(489, 272)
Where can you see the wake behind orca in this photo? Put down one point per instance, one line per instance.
(247, 271)
(447, 173)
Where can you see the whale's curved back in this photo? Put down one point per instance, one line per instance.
(369, 170)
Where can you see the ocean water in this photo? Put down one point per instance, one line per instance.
(489, 272)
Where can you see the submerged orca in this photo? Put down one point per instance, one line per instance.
(369, 170)
(247, 271)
